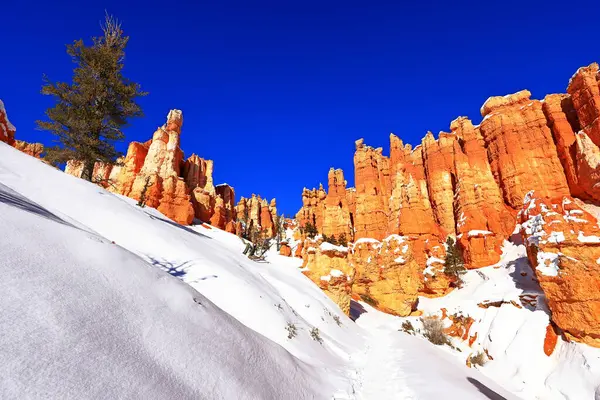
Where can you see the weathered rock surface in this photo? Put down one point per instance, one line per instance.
(469, 183)
(327, 265)
(157, 172)
(521, 149)
(32, 149)
(7, 130)
(256, 213)
(563, 246)
(392, 273)
(585, 94)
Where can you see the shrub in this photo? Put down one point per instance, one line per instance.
(330, 239)
(310, 229)
(342, 241)
(454, 262)
(292, 330)
(142, 201)
(433, 330)
(407, 327)
(478, 359)
(314, 333)
(337, 320)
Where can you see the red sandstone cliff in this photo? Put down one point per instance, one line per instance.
(469, 183)
(7, 135)
(180, 189)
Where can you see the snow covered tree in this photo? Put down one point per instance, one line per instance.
(90, 112)
(454, 262)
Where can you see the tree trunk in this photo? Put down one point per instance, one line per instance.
(88, 170)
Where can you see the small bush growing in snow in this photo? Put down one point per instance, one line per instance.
(478, 359)
(342, 241)
(337, 320)
(292, 330)
(407, 327)
(433, 330)
(314, 333)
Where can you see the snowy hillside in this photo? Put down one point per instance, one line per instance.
(103, 299)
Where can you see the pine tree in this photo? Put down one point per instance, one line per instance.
(90, 112)
(310, 229)
(454, 263)
(342, 241)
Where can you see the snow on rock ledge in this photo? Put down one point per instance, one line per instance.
(564, 251)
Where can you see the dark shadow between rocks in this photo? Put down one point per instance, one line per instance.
(356, 310)
(486, 391)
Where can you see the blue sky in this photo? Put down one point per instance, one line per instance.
(277, 92)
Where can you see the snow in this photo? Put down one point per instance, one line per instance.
(336, 273)
(477, 232)
(587, 239)
(367, 240)
(400, 260)
(547, 263)
(165, 312)
(515, 336)
(326, 246)
(103, 299)
(556, 237)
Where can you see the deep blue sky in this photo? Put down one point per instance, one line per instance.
(276, 92)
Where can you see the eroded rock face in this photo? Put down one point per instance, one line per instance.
(372, 179)
(156, 171)
(7, 130)
(392, 273)
(258, 214)
(563, 246)
(585, 95)
(32, 149)
(328, 267)
(469, 184)
(521, 149)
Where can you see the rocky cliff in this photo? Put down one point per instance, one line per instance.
(7, 135)
(157, 172)
(469, 183)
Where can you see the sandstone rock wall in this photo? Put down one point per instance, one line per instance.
(469, 183)
(157, 172)
(563, 247)
(256, 213)
(7, 135)
(7, 130)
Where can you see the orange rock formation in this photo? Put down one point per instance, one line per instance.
(469, 183)
(180, 189)
(7, 135)
(563, 246)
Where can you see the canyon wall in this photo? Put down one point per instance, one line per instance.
(7, 135)
(469, 183)
(181, 188)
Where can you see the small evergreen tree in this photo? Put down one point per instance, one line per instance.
(142, 201)
(280, 229)
(90, 112)
(454, 262)
(342, 241)
(310, 229)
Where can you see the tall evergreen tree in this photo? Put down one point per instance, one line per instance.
(90, 112)
(454, 262)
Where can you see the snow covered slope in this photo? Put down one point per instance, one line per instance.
(103, 299)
